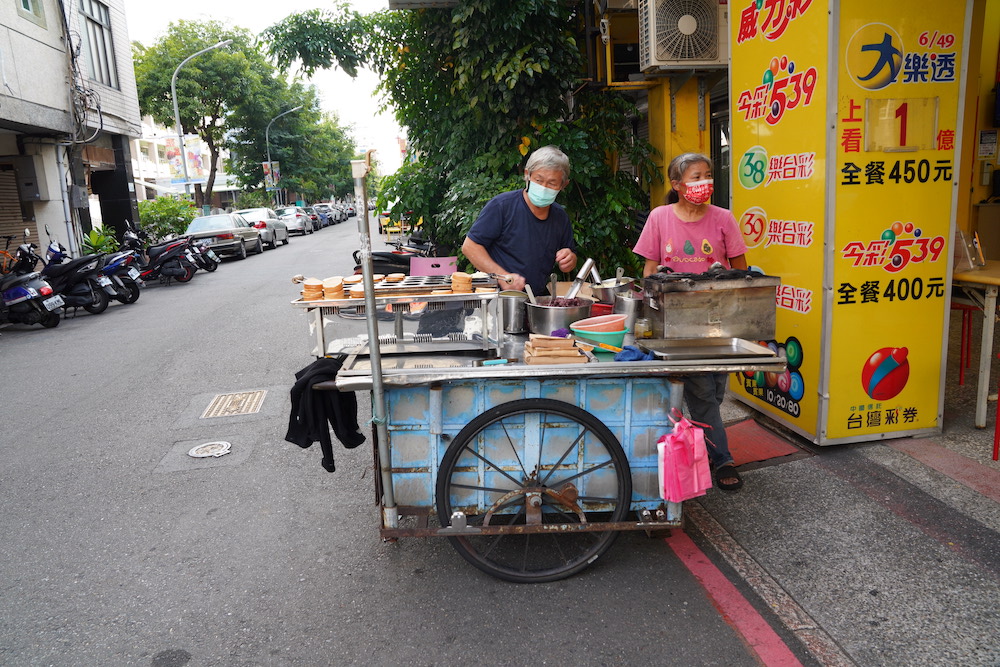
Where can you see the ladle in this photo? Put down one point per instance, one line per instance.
(531, 294)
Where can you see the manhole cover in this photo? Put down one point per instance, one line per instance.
(216, 449)
(240, 403)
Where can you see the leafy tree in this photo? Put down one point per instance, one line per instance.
(209, 86)
(479, 86)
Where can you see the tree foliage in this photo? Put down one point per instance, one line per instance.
(229, 95)
(479, 86)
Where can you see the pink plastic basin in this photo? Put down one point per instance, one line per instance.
(602, 323)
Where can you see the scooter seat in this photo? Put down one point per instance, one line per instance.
(156, 250)
(13, 279)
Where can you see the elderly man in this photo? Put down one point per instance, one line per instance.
(523, 234)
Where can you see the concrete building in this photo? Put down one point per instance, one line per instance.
(68, 110)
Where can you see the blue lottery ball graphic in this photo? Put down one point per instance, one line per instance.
(797, 388)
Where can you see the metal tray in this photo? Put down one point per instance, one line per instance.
(679, 349)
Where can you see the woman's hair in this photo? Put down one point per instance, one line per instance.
(547, 157)
(677, 168)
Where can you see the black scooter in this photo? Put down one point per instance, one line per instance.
(79, 281)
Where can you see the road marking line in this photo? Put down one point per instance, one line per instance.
(819, 644)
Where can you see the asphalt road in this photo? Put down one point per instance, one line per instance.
(119, 549)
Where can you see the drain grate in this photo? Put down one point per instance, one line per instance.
(239, 403)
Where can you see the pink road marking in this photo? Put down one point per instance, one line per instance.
(735, 609)
(962, 469)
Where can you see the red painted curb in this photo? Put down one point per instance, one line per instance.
(734, 608)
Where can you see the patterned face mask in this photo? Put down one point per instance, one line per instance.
(699, 192)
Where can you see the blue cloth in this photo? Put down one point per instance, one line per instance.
(520, 242)
(632, 353)
(703, 395)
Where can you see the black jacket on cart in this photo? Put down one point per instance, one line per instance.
(313, 409)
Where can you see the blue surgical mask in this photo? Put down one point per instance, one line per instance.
(540, 195)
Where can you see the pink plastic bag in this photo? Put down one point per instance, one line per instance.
(683, 460)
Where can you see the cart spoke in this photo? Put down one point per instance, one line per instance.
(496, 540)
(582, 473)
(562, 458)
(472, 487)
(492, 465)
(510, 441)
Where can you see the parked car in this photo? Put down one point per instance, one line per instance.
(350, 210)
(296, 219)
(322, 209)
(228, 234)
(314, 216)
(272, 229)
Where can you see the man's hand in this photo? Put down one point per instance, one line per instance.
(566, 259)
(516, 282)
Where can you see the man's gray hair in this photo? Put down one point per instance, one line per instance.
(681, 163)
(547, 157)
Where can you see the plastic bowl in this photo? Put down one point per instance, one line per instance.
(602, 323)
(615, 338)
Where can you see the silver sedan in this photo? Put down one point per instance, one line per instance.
(272, 229)
(296, 219)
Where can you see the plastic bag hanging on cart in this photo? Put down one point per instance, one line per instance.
(683, 460)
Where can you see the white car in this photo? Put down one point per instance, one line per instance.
(296, 219)
(272, 229)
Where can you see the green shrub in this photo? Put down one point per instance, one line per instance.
(166, 215)
(96, 242)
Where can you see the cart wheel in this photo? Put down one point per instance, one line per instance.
(530, 462)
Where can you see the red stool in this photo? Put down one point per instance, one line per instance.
(965, 355)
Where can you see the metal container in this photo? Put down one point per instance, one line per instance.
(513, 311)
(544, 319)
(630, 304)
(606, 290)
(683, 307)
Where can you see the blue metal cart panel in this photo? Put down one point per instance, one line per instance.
(424, 419)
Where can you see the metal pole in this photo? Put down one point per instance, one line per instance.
(267, 140)
(177, 113)
(390, 514)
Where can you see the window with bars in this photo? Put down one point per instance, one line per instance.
(98, 46)
(32, 10)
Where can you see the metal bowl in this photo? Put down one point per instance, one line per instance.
(544, 319)
(606, 290)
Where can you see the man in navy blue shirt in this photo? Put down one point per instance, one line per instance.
(523, 234)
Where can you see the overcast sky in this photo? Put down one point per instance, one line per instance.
(353, 100)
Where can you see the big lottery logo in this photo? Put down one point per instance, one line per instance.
(885, 373)
(874, 56)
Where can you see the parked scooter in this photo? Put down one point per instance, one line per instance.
(28, 299)
(78, 280)
(119, 267)
(398, 260)
(170, 260)
(204, 256)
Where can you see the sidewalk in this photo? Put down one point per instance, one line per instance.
(880, 553)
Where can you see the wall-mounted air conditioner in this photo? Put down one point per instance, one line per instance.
(683, 34)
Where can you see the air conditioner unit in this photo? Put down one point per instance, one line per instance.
(683, 34)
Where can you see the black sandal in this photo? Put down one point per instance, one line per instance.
(728, 471)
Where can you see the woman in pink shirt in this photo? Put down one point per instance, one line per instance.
(689, 235)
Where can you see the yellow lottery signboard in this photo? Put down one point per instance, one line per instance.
(779, 84)
(899, 89)
(845, 118)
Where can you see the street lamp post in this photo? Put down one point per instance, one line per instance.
(177, 113)
(267, 140)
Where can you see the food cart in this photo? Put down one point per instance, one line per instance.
(530, 471)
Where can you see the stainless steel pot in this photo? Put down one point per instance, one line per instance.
(513, 311)
(544, 319)
(606, 290)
